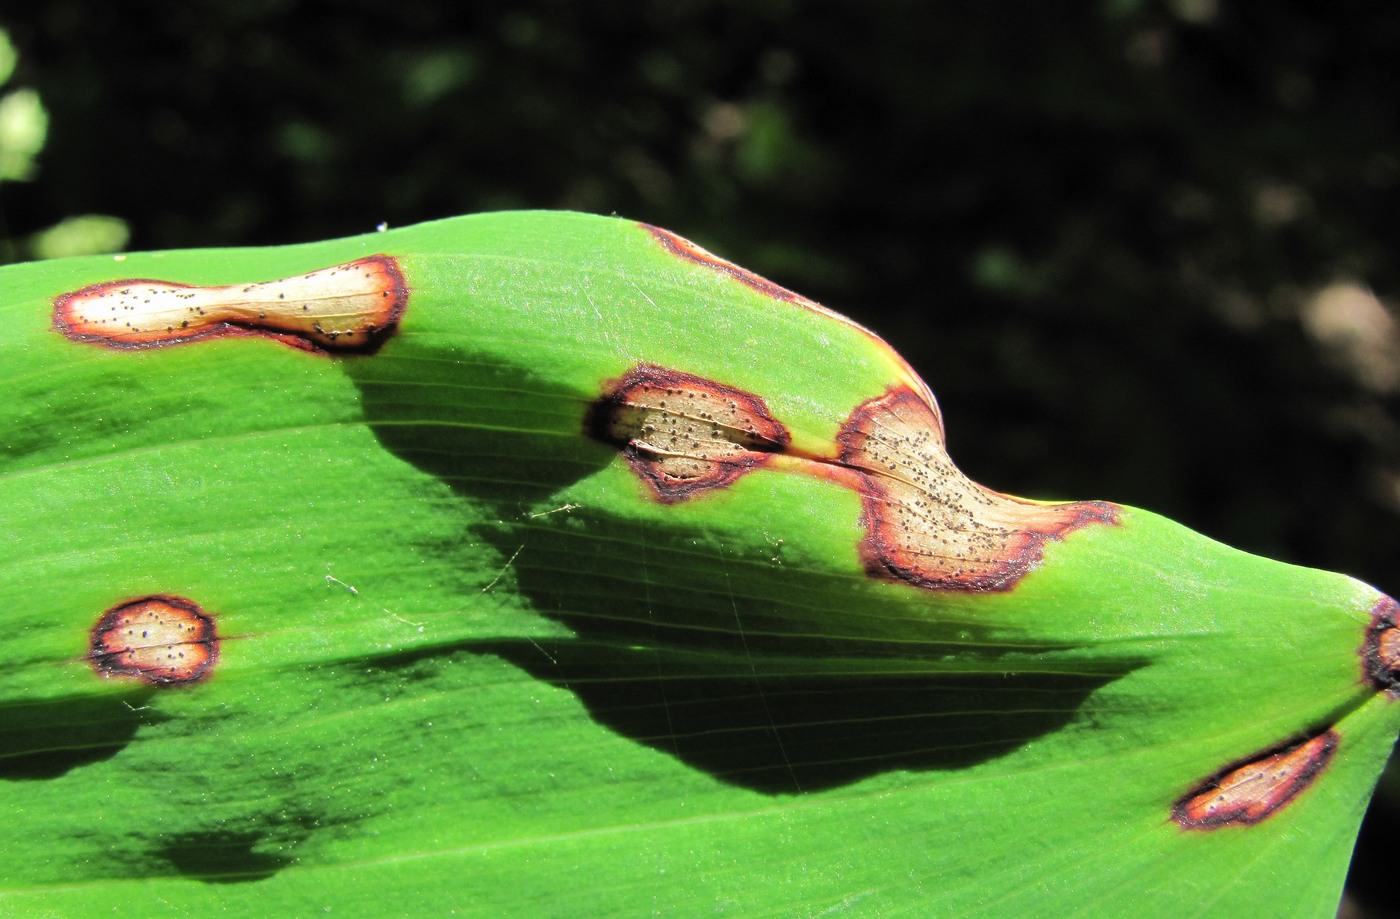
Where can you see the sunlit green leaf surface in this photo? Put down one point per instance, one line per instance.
(468, 662)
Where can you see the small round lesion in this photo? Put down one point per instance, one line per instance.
(158, 639)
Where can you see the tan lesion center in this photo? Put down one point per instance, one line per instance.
(347, 307)
(683, 434)
(157, 639)
(1249, 792)
(926, 524)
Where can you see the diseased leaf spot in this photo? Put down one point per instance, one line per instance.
(1246, 792)
(688, 251)
(926, 524)
(683, 434)
(162, 640)
(353, 307)
(1380, 653)
(929, 525)
(684, 248)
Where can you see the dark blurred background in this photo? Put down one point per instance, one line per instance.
(1142, 251)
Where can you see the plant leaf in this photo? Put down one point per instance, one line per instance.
(499, 632)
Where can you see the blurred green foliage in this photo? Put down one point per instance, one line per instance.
(23, 121)
(24, 126)
(1141, 250)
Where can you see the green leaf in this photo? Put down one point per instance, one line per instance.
(496, 631)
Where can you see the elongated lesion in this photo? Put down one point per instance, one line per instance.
(926, 524)
(1244, 793)
(1380, 652)
(929, 525)
(351, 307)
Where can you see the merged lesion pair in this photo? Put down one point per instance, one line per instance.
(926, 523)
(348, 308)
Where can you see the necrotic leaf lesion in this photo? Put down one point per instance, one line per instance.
(351, 307)
(929, 525)
(1250, 791)
(926, 524)
(1380, 652)
(683, 434)
(159, 639)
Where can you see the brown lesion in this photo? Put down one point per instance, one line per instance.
(157, 639)
(1249, 791)
(684, 248)
(688, 251)
(352, 307)
(683, 434)
(1380, 652)
(929, 525)
(926, 524)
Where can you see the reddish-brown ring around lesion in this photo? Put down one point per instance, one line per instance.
(1380, 650)
(159, 639)
(926, 523)
(1251, 790)
(683, 248)
(682, 434)
(347, 308)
